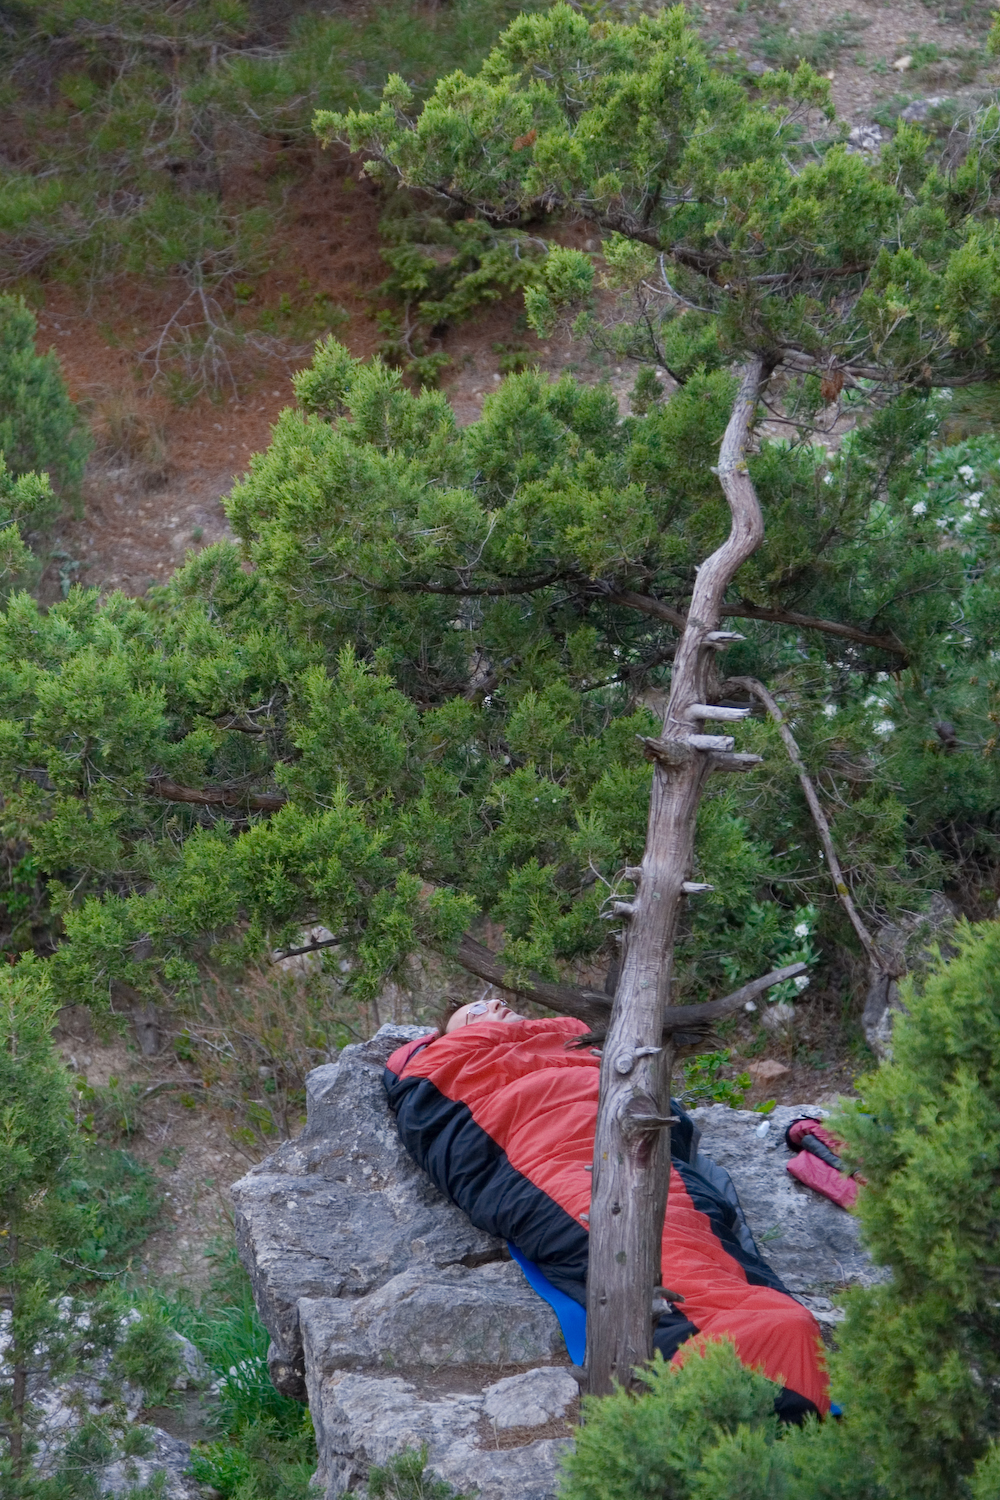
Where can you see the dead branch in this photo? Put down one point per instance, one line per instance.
(632, 1161)
(811, 622)
(215, 796)
(686, 1022)
(758, 690)
(280, 953)
(647, 605)
(591, 1006)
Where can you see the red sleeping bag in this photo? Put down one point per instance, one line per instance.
(502, 1116)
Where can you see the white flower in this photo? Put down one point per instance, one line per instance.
(920, 509)
(827, 478)
(829, 709)
(943, 521)
(802, 929)
(884, 726)
(802, 982)
(974, 501)
(967, 473)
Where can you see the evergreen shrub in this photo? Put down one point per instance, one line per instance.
(40, 428)
(674, 1441)
(917, 1369)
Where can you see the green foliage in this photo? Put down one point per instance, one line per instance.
(132, 158)
(820, 49)
(227, 1330)
(120, 1200)
(443, 270)
(41, 440)
(704, 1083)
(148, 1357)
(927, 1346)
(262, 1465)
(37, 1118)
(40, 429)
(698, 1432)
(68, 1216)
(383, 794)
(778, 239)
(434, 658)
(405, 1477)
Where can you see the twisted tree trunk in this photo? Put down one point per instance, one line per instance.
(632, 1146)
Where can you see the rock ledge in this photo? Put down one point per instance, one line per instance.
(405, 1326)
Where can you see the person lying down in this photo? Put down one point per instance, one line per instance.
(501, 1115)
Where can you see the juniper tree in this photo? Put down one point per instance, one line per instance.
(426, 703)
(738, 233)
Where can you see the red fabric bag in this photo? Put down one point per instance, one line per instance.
(812, 1170)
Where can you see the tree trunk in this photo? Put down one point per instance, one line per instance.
(632, 1146)
(19, 1397)
(19, 1393)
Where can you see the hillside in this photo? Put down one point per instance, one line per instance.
(406, 428)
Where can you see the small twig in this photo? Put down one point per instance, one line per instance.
(172, 1083)
(758, 690)
(280, 953)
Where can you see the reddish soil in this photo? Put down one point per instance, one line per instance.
(156, 482)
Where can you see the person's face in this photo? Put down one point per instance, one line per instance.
(482, 1010)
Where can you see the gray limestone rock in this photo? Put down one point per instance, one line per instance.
(813, 1245)
(169, 1457)
(910, 946)
(918, 111)
(424, 1316)
(865, 139)
(407, 1328)
(528, 1473)
(343, 1209)
(194, 1371)
(361, 1421)
(530, 1400)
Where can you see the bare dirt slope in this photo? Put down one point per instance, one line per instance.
(156, 484)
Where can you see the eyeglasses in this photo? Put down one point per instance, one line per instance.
(478, 1009)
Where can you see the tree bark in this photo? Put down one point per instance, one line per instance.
(632, 1145)
(215, 796)
(19, 1397)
